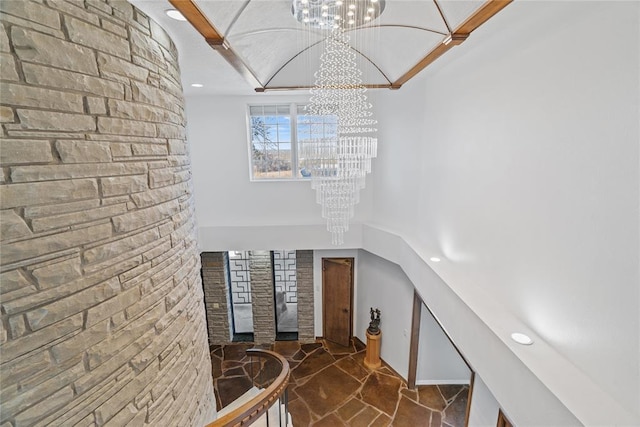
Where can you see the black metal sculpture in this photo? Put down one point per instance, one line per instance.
(374, 325)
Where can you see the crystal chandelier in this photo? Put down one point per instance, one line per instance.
(339, 162)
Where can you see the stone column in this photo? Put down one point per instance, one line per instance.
(264, 322)
(216, 296)
(103, 319)
(304, 273)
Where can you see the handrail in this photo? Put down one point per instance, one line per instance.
(254, 408)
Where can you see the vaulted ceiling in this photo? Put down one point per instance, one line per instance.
(270, 50)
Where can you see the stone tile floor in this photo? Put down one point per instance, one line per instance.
(330, 386)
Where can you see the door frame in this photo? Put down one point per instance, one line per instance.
(351, 261)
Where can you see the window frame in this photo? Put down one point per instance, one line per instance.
(295, 158)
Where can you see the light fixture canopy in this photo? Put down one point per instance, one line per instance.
(521, 338)
(325, 14)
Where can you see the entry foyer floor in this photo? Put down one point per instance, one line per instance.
(330, 386)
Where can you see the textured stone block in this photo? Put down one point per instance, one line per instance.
(70, 171)
(109, 125)
(74, 9)
(49, 120)
(112, 306)
(6, 114)
(15, 195)
(95, 37)
(80, 342)
(51, 403)
(139, 218)
(22, 151)
(149, 150)
(8, 66)
(160, 178)
(58, 273)
(31, 46)
(120, 246)
(27, 343)
(78, 151)
(46, 76)
(129, 184)
(13, 226)
(4, 40)
(31, 11)
(29, 96)
(60, 309)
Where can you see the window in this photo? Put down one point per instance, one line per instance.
(278, 134)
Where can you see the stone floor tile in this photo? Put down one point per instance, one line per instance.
(449, 391)
(234, 372)
(330, 420)
(429, 396)
(216, 367)
(236, 351)
(335, 348)
(349, 409)
(286, 348)
(381, 392)
(383, 420)
(299, 413)
(456, 411)
(411, 394)
(327, 390)
(364, 418)
(436, 419)
(313, 363)
(308, 348)
(299, 355)
(410, 414)
(353, 368)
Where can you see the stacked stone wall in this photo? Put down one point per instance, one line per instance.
(103, 321)
(264, 321)
(304, 276)
(216, 296)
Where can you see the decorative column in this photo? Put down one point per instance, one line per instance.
(372, 356)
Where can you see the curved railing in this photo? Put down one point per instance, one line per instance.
(273, 394)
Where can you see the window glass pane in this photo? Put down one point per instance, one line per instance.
(271, 155)
(240, 283)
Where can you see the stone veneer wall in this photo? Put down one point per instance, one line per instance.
(304, 273)
(216, 296)
(264, 321)
(102, 308)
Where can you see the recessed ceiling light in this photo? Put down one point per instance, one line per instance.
(197, 85)
(435, 259)
(174, 14)
(521, 338)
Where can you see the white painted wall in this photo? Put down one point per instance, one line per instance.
(527, 187)
(438, 360)
(227, 201)
(484, 406)
(383, 285)
(515, 158)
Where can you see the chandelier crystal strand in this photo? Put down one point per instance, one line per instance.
(339, 161)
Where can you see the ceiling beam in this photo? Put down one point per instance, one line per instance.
(460, 34)
(280, 88)
(201, 23)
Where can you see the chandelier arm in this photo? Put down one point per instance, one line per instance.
(235, 18)
(444, 19)
(316, 44)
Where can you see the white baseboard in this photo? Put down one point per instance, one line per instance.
(442, 382)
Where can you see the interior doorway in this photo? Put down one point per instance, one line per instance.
(337, 299)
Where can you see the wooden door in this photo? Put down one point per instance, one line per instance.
(337, 292)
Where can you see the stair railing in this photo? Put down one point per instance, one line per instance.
(275, 392)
